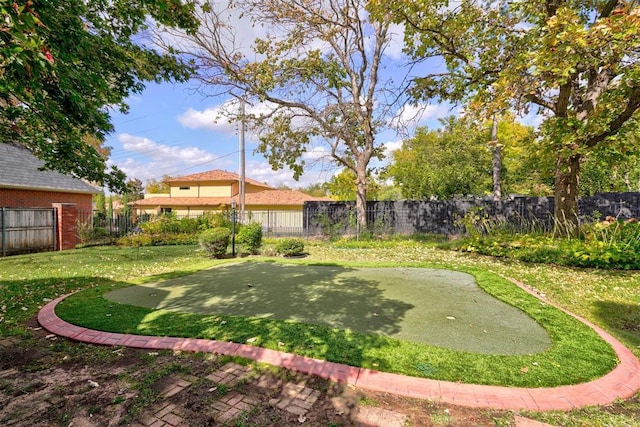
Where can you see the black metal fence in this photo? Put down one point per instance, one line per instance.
(449, 217)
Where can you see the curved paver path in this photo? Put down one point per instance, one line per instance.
(621, 383)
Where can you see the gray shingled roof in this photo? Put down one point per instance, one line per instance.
(20, 169)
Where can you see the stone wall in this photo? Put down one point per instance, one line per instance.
(447, 216)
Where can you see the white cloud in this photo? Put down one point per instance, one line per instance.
(316, 153)
(396, 43)
(390, 147)
(223, 117)
(409, 116)
(146, 159)
(212, 118)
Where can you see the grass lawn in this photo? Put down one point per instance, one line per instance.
(608, 298)
(576, 354)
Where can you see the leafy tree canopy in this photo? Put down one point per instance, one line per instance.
(66, 63)
(455, 160)
(154, 186)
(443, 163)
(576, 61)
(316, 71)
(342, 186)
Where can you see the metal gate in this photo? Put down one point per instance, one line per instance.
(26, 230)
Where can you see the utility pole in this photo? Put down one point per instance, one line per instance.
(242, 167)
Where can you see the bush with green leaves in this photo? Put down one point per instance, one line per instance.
(608, 244)
(290, 247)
(250, 237)
(169, 223)
(215, 241)
(163, 239)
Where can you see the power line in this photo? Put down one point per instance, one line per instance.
(181, 171)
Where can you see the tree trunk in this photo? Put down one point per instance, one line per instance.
(497, 161)
(361, 198)
(566, 194)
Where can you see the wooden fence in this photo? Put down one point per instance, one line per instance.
(26, 230)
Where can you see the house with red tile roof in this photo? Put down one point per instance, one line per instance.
(216, 190)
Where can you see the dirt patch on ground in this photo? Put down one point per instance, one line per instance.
(49, 381)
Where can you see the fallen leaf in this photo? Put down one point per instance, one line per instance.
(524, 370)
(254, 339)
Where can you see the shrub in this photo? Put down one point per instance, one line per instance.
(290, 247)
(168, 223)
(218, 219)
(162, 239)
(215, 241)
(250, 237)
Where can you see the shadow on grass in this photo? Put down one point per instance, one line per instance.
(90, 309)
(622, 318)
(322, 295)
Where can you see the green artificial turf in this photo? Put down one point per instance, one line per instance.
(438, 307)
(576, 353)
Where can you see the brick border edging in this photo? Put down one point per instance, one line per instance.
(622, 382)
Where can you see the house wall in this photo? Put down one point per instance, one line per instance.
(201, 191)
(248, 188)
(15, 198)
(215, 191)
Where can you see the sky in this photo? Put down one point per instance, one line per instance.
(173, 130)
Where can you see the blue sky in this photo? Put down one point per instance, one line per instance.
(172, 130)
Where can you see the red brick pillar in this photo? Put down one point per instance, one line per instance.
(66, 226)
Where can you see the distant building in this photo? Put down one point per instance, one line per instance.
(215, 190)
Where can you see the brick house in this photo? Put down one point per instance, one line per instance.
(23, 184)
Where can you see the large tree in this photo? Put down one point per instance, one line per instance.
(65, 64)
(576, 61)
(458, 160)
(342, 186)
(451, 161)
(317, 69)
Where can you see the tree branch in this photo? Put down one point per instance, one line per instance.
(633, 105)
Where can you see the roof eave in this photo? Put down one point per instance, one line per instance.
(53, 189)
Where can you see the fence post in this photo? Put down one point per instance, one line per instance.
(54, 212)
(4, 233)
(66, 230)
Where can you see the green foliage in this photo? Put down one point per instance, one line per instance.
(443, 163)
(169, 223)
(65, 64)
(215, 241)
(343, 186)
(290, 247)
(456, 160)
(250, 237)
(577, 62)
(100, 201)
(154, 186)
(608, 244)
(158, 239)
(219, 219)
